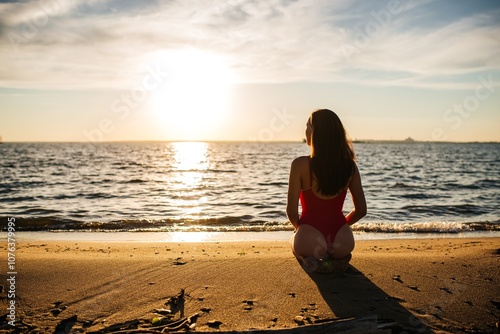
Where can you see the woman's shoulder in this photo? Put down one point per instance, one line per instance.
(301, 160)
(300, 164)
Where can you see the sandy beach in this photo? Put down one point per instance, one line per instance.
(425, 285)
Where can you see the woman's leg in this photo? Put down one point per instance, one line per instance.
(309, 242)
(343, 244)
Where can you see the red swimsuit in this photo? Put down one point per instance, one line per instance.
(324, 214)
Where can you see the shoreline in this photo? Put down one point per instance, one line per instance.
(440, 285)
(240, 236)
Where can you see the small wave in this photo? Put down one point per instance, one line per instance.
(220, 171)
(372, 173)
(18, 199)
(263, 206)
(458, 186)
(418, 196)
(30, 184)
(62, 196)
(279, 184)
(488, 183)
(102, 181)
(271, 213)
(38, 211)
(222, 224)
(400, 185)
(97, 195)
(234, 223)
(6, 165)
(5, 190)
(425, 227)
(464, 209)
(135, 181)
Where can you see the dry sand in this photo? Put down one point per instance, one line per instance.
(426, 285)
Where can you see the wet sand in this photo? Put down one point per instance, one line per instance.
(425, 285)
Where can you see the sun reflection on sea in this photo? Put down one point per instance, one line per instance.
(190, 162)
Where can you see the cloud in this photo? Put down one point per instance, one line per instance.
(450, 53)
(105, 44)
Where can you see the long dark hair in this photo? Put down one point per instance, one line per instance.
(332, 155)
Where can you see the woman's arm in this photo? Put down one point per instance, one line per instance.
(358, 198)
(294, 186)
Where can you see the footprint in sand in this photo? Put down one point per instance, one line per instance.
(214, 324)
(179, 262)
(446, 290)
(248, 305)
(397, 278)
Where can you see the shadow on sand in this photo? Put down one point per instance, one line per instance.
(352, 294)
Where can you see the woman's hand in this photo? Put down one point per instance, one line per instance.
(358, 198)
(294, 187)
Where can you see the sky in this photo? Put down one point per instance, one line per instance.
(119, 70)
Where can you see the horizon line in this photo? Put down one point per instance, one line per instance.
(355, 141)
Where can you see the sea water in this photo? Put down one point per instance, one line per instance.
(410, 187)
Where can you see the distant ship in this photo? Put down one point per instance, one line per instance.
(1, 141)
(409, 139)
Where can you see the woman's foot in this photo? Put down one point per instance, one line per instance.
(342, 264)
(325, 266)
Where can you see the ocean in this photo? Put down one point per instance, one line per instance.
(236, 187)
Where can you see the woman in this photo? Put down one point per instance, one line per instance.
(323, 239)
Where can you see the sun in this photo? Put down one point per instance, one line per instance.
(194, 99)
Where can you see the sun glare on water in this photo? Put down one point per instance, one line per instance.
(190, 156)
(194, 98)
(190, 162)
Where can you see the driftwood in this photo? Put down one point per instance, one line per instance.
(365, 325)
